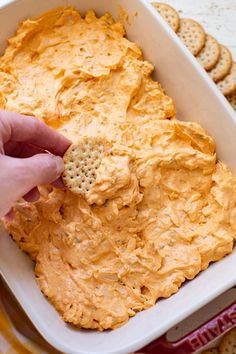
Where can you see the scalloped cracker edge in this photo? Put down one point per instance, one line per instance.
(169, 14)
(192, 34)
(210, 53)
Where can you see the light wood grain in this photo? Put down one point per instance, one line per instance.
(218, 17)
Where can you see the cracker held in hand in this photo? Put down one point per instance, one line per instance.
(228, 84)
(232, 100)
(210, 53)
(169, 14)
(223, 66)
(192, 34)
(228, 343)
(82, 159)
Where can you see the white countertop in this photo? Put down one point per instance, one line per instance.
(218, 17)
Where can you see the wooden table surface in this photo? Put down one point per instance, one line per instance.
(218, 17)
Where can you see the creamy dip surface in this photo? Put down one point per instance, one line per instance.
(162, 207)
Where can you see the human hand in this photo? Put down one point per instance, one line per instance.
(29, 156)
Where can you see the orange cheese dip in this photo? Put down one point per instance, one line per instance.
(162, 207)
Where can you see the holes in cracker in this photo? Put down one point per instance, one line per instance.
(81, 163)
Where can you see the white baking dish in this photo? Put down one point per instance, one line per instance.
(197, 99)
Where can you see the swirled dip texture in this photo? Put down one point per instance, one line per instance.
(161, 208)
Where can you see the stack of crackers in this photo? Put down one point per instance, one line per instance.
(215, 58)
(227, 344)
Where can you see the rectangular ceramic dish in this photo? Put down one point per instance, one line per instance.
(197, 99)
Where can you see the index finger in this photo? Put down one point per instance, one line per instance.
(19, 128)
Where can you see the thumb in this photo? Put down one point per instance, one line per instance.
(19, 176)
(39, 169)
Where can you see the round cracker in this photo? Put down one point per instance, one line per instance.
(228, 84)
(192, 34)
(232, 99)
(211, 351)
(169, 14)
(223, 66)
(82, 160)
(210, 53)
(228, 343)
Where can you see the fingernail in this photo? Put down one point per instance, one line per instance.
(59, 165)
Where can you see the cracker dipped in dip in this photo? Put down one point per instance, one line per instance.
(161, 209)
